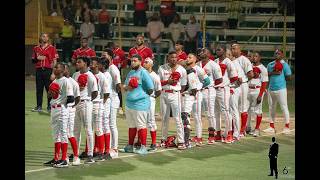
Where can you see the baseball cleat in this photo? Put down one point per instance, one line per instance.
(142, 150)
(128, 149)
(83, 155)
(285, 130)
(256, 133)
(61, 164)
(236, 139)
(89, 160)
(76, 161)
(50, 163)
(107, 156)
(251, 132)
(198, 141)
(71, 157)
(153, 147)
(114, 153)
(162, 143)
(37, 109)
(181, 146)
(218, 138)
(211, 140)
(242, 134)
(100, 157)
(194, 139)
(269, 130)
(229, 139)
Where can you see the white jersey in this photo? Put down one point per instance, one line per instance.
(90, 87)
(201, 74)
(75, 88)
(165, 72)
(245, 65)
(193, 82)
(263, 76)
(65, 89)
(102, 85)
(213, 70)
(156, 82)
(116, 77)
(108, 82)
(229, 73)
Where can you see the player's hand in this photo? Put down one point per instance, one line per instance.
(52, 77)
(129, 88)
(276, 72)
(193, 92)
(171, 81)
(118, 88)
(259, 99)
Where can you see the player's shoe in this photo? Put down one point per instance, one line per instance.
(137, 145)
(95, 154)
(242, 134)
(269, 130)
(181, 146)
(50, 163)
(194, 139)
(100, 157)
(142, 151)
(83, 155)
(71, 157)
(61, 164)
(286, 131)
(162, 143)
(114, 153)
(37, 109)
(128, 149)
(107, 156)
(251, 132)
(236, 139)
(153, 147)
(229, 139)
(256, 133)
(211, 140)
(198, 142)
(89, 160)
(76, 161)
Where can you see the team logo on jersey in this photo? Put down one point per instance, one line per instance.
(54, 90)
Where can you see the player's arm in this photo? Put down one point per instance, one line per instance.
(157, 87)
(147, 82)
(287, 72)
(34, 58)
(183, 80)
(248, 69)
(233, 74)
(217, 73)
(69, 92)
(105, 88)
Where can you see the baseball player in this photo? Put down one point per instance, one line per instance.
(98, 107)
(257, 88)
(279, 73)
(213, 70)
(140, 49)
(88, 92)
(151, 122)
(61, 92)
(222, 104)
(191, 101)
(71, 115)
(246, 67)
(170, 96)
(115, 102)
(138, 86)
(83, 51)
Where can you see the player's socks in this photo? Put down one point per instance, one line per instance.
(57, 147)
(143, 136)
(153, 137)
(272, 125)
(74, 146)
(107, 142)
(64, 148)
(287, 125)
(258, 122)
(96, 144)
(132, 135)
(244, 118)
(100, 143)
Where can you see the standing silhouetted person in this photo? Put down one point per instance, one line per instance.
(273, 155)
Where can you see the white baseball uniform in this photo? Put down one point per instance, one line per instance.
(222, 104)
(115, 103)
(107, 104)
(84, 111)
(213, 70)
(254, 90)
(72, 110)
(151, 122)
(171, 98)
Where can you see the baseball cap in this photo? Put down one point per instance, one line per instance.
(148, 60)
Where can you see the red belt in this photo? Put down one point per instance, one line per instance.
(170, 91)
(56, 105)
(254, 87)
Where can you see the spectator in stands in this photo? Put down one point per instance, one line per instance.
(192, 29)
(67, 34)
(68, 12)
(181, 55)
(86, 12)
(200, 38)
(234, 10)
(155, 30)
(104, 19)
(139, 15)
(140, 49)
(176, 31)
(167, 11)
(87, 31)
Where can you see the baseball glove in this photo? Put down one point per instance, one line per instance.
(256, 72)
(54, 89)
(175, 76)
(83, 80)
(278, 66)
(133, 82)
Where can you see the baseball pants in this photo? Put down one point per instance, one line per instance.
(70, 123)
(97, 114)
(234, 111)
(59, 123)
(171, 101)
(222, 107)
(151, 121)
(244, 102)
(273, 98)
(115, 103)
(254, 108)
(208, 100)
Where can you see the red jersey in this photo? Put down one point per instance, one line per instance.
(167, 8)
(49, 52)
(140, 5)
(143, 52)
(119, 58)
(83, 52)
(182, 56)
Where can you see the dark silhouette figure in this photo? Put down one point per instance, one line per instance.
(273, 156)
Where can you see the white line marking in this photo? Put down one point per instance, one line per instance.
(162, 150)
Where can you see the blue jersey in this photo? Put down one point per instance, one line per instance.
(138, 99)
(278, 82)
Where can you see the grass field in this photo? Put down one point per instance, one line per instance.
(244, 160)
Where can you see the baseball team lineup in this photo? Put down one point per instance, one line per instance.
(229, 90)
